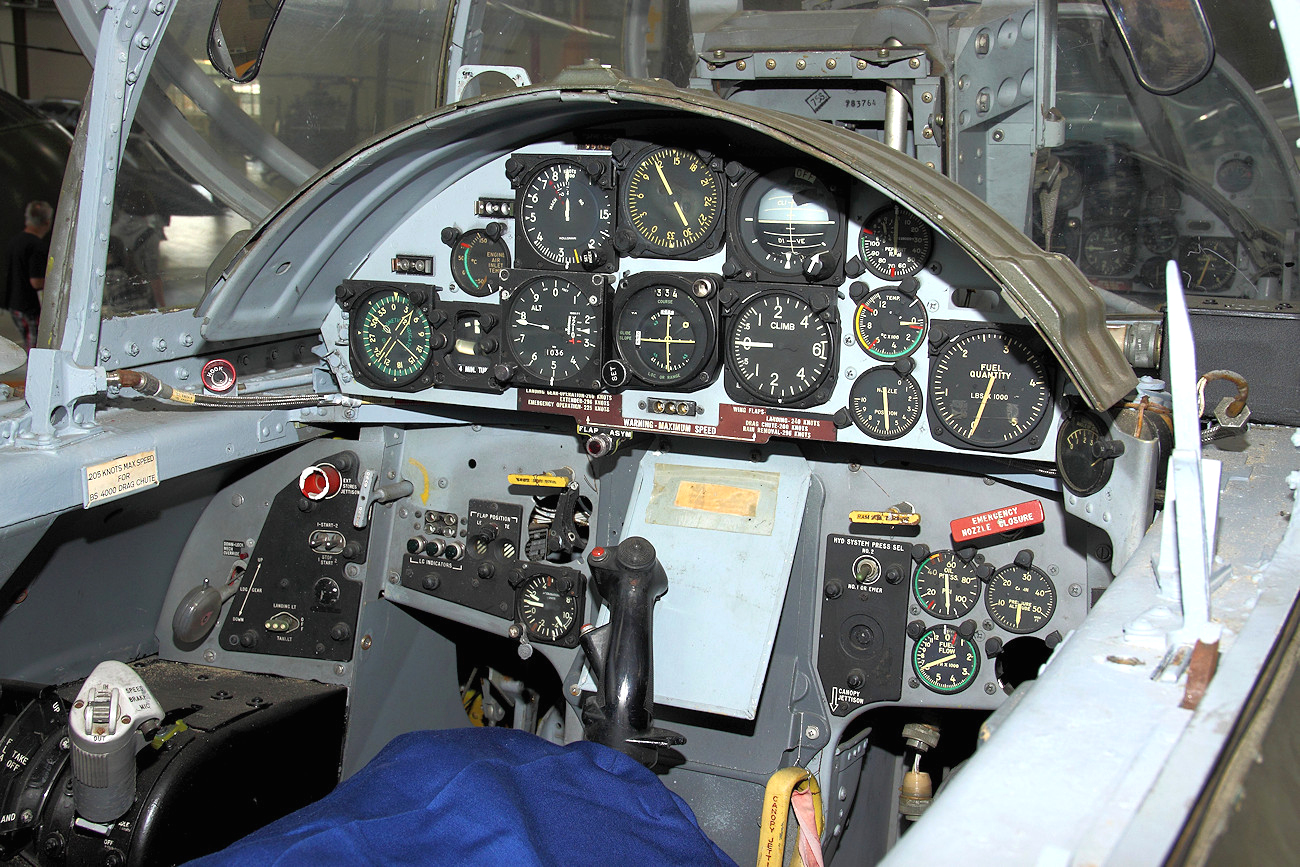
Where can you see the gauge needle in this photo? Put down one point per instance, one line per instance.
(685, 222)
(566, 210)
(523, 320)
(983, 403)
(884, 398)
(392, 335)
(746, 343)
(949, 658)
(896, 222)
(1201, 279)
(660, 169)
(947, 592)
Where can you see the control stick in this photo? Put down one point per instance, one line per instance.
(621, 653)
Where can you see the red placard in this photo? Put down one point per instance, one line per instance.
(994, 521)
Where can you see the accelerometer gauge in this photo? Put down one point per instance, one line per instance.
(895, 243)
(1207, 264)
(779, 349)
(662, 332)
(1109, 251)
(989, 389)
(672, 201)
(1020, 599)
(945, 662)
(552, 328)
(476, 256)
(889, 324)
(566, 217)
(390, 338)
(1084, 455)
(548, 606)
(946, 585)
(884, 403)
(788, 222)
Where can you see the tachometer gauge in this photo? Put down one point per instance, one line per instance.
(1152, 273)
(780, 350)
(788, 222)
(1207, 264)
(390, 339)
(564, 216)
(989, 389)
(1159, 236)
(549, 606)
(1109, 251)
(895, 243)
(476, 256)
(670, 201)
(552, 328)
(946, 585)
(884, 403)
(1020, 599)
(662, 331)
(889, 324)
(945, 662)
(1084, 456)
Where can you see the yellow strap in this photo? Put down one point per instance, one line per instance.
(776, 812)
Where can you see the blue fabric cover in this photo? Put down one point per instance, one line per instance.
(486, 796)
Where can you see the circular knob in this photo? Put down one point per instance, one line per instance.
(248, 639)
(320, 482)
(636, 553)
(340, 631)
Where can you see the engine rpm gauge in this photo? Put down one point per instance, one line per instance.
(552, 328)
(884, 403)
(390, 338)
(895, 243)
(662, 332)
(789, 223)
(989, 389)
(945, 662)
(1020, 599)
(566, 217)
(946, 585)
(671, 201)
(548, 606)
(780, 349)
(1207, 264)
(889, 324)
(476, 256)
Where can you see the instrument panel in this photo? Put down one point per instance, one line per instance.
(635, 282)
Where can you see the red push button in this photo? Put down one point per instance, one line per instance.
(320, 482)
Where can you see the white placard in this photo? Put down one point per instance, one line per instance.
(120, 476)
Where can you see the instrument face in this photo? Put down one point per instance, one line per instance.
(1020, 599)
(391, 339)
(565, 216)
(989, 388)
(475, 257)
(945, 662)
(884, 403)
(672, 200)
(1083, 466)
(788, 221)
(889, 324)
(663, 333)
(946, 586)
(779, 349)
(552, 328)
(895, 243)
(548, 607)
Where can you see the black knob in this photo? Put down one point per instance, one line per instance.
(1052, 639)
(833, 589)
(486, 570)
(450, 234)
(351, 551)
(1025, 559)
(894, 575)
(248, 639)
(914, 629)
(437, 317)
(503, 372)
(430, 582)
(516, 577)
(487, 346)
(305, 505)
(340, 631)
(855, 679)
(966, 629)
(920, 552)
(993, 647)
(437, 340)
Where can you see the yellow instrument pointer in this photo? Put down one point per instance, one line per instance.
(949, 658)
(659, 167)
(983, 403)
(685, 222)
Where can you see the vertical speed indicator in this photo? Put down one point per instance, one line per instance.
(780, 350)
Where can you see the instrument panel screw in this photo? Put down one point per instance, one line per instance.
(366, 641)
(719, 54)
(26, 816)
(79, 704)
(861, 64)
(927, 97)
(209, 656)
(574, 691)
(913, 683)
(340, 669)
(771, 63)
(990, 688)
(915, 63)
(998, 135)
(740, 65)
(927, 133)
(1076, 590)
(830, 63)
(132, 349)
(812, 733)
(801, 64)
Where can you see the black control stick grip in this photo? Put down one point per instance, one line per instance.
(621, 714)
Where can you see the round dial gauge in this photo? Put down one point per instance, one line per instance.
(1020, 599)
(1235, 175)
(391, 339)
(884, 403)
(566, 217)
(779, 349)
(1163, 200)
(1084, 457)
(552, 328)
(945, 662)
(1152, 273)
(1159, 236)
(946, 585)
(1071, 188)
(475, 257)
(466, 354)
(662, 334)
(548, 607)
(789, 221)
(989, 389)
(1109, 251)
(672, 200)
(895, 243)
(1208, 264)
(889, 324)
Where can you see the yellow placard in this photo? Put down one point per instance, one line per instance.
(529, 480)
(121, 476)
(894, 519)
(720, 499)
